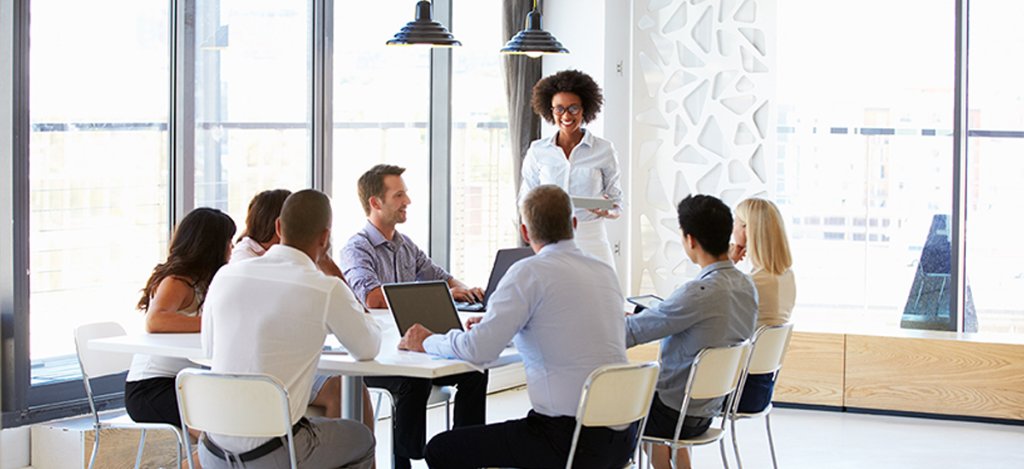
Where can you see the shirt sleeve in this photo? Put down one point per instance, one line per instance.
(678, 312)
(426, 269)
(206, 330)
(530, 175)
(508, 311)
(610, 176)
(358, 267)
(356, 330)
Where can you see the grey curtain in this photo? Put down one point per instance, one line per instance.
(521, 73)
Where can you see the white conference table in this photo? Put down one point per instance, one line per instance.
(389, 362)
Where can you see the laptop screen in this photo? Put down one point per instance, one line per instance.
(502, 262)
(427, 303)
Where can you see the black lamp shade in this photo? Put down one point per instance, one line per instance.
(534, 41)
(424, 31)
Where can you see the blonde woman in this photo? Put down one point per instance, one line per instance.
(760, 234)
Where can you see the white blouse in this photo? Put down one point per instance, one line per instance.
(592, 170)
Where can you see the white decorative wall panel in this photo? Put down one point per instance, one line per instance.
(702, 79)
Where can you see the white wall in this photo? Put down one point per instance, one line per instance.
(15, 447)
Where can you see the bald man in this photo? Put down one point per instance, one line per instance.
(271, 315)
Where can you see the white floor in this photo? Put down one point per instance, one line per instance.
(816, 439)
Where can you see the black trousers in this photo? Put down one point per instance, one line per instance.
(152, 400)
(410, 419)
(536, 442)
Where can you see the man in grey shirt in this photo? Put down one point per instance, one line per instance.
(379, 254)
(717, 308)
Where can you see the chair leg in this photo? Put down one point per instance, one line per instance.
(448, 415)
(771, 442)
(721, 449)
(735, 445)
(95, 445)
(142, 445)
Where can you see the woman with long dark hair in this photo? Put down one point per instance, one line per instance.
(172, 300)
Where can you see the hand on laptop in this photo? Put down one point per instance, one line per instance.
(471, 295)
(414, 337)
(473, 321)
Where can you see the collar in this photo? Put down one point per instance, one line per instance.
(291, 254)
(564, 245)
(588, 139)
(376, 238)
(726, 264)
(252, 244)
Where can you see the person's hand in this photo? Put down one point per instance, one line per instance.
(610, 214)
(414, 337)
(469, 295)
(473, 321)
(329, 267)
(737, 252)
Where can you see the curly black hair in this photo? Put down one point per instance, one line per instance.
(572, 81)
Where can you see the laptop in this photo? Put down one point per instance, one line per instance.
(502, 261)
(426, 303)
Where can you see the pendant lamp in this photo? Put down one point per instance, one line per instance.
(533, 41)
(424, 30)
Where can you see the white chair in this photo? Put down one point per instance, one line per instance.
(615, 395)
(715, 373)
(770, 344)
(96, 364)
(244, 405)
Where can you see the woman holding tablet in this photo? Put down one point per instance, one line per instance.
(574, 159)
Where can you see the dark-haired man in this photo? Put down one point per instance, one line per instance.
(715, 309)
(379, 254)
(564, 310)
(255, 307)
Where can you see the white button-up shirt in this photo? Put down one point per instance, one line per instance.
(564, 309)
(592, 170)
(271, 315)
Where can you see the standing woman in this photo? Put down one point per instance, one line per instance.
(574, 159)
(173, 302)
(759, 233)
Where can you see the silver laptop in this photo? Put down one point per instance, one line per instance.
(426, 303)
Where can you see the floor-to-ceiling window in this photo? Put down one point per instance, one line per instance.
(98, 164)
(863, 173)
(483, 212)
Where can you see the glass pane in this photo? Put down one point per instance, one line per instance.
(381, 110)
(252, 100)
(863, 168)
(98, 168)
(483, 184)
(995, 165)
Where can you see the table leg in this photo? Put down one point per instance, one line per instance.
(352, 402)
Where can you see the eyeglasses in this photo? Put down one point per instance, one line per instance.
(574, 109)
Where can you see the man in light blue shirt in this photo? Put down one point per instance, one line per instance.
(718, 308)
(563, 309)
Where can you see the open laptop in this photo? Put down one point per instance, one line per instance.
(502, 261)
(427, 303)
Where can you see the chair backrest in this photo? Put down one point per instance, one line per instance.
(770, 343)
(244, 405)
(96, 363)
(716, 371)
(617, 394)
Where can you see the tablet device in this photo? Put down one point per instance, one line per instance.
(644, 301)
(592, 202)
(426, 303)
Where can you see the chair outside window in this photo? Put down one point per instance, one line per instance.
(770, 344)
(96, 364)
(715, 373)
(615, 395)
(243, 405)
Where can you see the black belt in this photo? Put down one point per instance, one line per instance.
(258, 452)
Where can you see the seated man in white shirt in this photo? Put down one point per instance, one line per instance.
(271, 315)
(564, 310)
